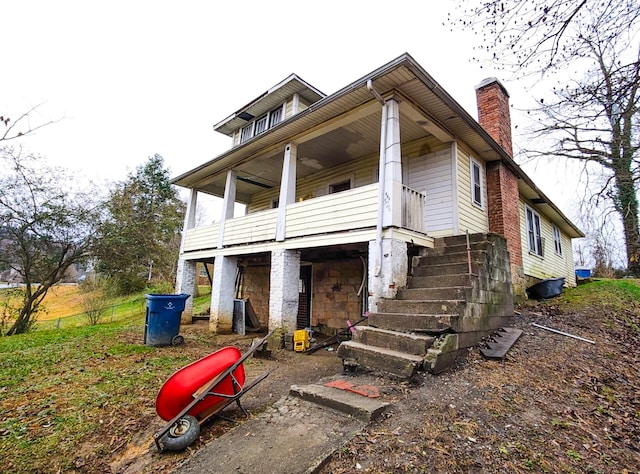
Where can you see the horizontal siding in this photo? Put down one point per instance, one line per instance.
(353, 209)
(431, 175)
(362, 171)
(203, 237)
(470, 216)
(255, 227)
(551, 265)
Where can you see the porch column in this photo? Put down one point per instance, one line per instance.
(284, 292)
(186, 278)
(394, 267)
(287, 188)
(392, 209)
(227, 203)
(222, 294)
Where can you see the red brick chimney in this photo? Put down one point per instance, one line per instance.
(502, 184)
(493, 112)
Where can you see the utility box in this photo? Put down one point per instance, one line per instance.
(162, 320)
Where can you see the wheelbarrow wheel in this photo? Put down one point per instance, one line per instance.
(183, 432)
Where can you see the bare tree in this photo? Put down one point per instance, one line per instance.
(45, 228)
(592, 113)
(537, 36)
(25, 124)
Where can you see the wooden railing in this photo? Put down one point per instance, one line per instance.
(348, 210)
(413, 203)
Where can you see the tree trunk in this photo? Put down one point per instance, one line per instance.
(627, 204)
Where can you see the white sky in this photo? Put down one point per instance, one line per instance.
(134, 78)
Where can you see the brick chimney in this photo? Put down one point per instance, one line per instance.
(503, 203)
(493, 112)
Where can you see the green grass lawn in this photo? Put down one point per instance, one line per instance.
(82, 391)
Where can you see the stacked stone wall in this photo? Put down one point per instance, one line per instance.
(335, 286)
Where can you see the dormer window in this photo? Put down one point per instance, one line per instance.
(261, 124)
(275, 117)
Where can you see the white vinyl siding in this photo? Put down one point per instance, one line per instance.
(470, 217)
(431, 174)
(551, 265)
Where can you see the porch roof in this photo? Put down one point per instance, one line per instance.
(346, 125)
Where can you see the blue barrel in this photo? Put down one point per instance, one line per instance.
(162, 322)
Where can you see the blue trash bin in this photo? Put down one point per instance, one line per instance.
(162, 321)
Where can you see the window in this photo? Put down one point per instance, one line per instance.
(339, 187)
(476, 183)
(533, 232)
(247, 132)
(261, 125)
(557, 240)
(275, 117)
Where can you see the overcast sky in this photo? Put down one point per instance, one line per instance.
(134, 78)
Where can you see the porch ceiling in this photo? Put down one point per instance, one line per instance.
(345, 126)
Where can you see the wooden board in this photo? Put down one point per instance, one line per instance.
(500, 343)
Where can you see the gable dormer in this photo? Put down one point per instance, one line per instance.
(285, 99)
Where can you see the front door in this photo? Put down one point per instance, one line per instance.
(304, 298)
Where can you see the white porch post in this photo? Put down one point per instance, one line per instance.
(287, 188)
(222, 294)
(392, 210)
(227, 204)
(284, 292)
(186, 278)
(224, 268)
(388, 264)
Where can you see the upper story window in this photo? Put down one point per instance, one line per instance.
(534, 231)
(476, 183)
(557, 240)
(261, 124)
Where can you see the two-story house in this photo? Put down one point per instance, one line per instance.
(345, 194)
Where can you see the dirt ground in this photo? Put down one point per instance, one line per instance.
(556, 404)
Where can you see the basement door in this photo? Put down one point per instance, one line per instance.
(304, 298)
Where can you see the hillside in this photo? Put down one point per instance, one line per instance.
(82, 399)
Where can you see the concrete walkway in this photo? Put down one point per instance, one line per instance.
(293, 436)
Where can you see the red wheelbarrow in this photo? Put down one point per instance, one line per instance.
(199, 391)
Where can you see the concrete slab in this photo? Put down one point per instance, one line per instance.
(354, 405)
(293, 436)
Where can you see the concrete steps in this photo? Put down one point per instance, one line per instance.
(443, 309)
(398, 363)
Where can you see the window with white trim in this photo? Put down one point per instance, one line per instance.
(275, 117)
(557, 240)
(477, 190)
(246, 133)
(534, 232)
(261, 124)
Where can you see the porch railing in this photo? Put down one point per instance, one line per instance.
(413, 203)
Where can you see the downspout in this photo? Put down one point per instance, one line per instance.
(381, 175)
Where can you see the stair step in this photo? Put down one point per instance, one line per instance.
(407, 343)
(421, 323)
(441, 281)
(387, 360)
(360, 407)
(462, 239)
(461, 247)
(421, 306)
(444, 293)
(445, 269)
(479, 256)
